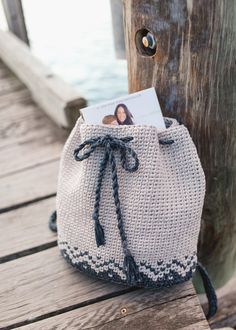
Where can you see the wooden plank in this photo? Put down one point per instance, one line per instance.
(57, 98)
(24, 121)
(10, 84)
(30, 185)
(226, 314)
(15, 18)
(43, 284)
(4, 71)
(173, 308)
(30, 153)
(8, 81)
(26, 132)
(26, 229)
(202, 325)
(20, 95)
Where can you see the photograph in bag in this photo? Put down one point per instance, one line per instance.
(141, 108)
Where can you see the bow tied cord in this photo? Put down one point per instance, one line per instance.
(111, 144)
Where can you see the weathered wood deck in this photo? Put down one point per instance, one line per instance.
(38, 289)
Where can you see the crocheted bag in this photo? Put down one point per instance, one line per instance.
(129, 204)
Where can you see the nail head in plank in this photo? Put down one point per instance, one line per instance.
(43, 283)
(173, 308)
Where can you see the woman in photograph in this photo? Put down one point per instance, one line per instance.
(123, 115)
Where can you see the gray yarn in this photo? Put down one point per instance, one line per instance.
(161, 205)
(111, 144)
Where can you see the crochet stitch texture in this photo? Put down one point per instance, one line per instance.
(161, 205)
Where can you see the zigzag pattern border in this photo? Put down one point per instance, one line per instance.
(166, 275)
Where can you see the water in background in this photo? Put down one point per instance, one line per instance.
(74, 38)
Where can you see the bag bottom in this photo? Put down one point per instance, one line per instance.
(165, 275)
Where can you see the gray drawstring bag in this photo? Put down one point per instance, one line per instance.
(129, 204)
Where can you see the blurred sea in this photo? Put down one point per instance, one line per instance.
(74, 38)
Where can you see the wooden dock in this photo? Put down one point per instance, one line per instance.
(38, 289)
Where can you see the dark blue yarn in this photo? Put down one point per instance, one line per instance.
(111, 144)
(166, 142)
(99, 234)
(52, 223)
(209, 289)
(143, 281)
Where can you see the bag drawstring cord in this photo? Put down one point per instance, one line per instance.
(52, 223)
(110, 144)
(209, 289)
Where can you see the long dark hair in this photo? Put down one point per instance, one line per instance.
(129, 116)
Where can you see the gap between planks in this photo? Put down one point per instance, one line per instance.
(27, 230)
(139, 309)
(28, 186)
(46, 285)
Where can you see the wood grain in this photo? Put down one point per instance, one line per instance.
(58, 99)
(226, 314)
(29, 185)
(28, 137)
(24, 121)
(26, 229)
(28, 140)
(4, 71)
(142, 309)
(194, 72)
(30, 153)
(43, 284)
(16, 96)
(9, 85)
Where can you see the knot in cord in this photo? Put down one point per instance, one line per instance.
(111, 144)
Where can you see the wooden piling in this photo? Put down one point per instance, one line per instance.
(193, 68)
(15, 19)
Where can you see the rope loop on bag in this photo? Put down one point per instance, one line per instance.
(52, 222)
(209, 289)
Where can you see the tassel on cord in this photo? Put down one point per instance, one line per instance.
(209, 289)
(132, 272)
(99, 234)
